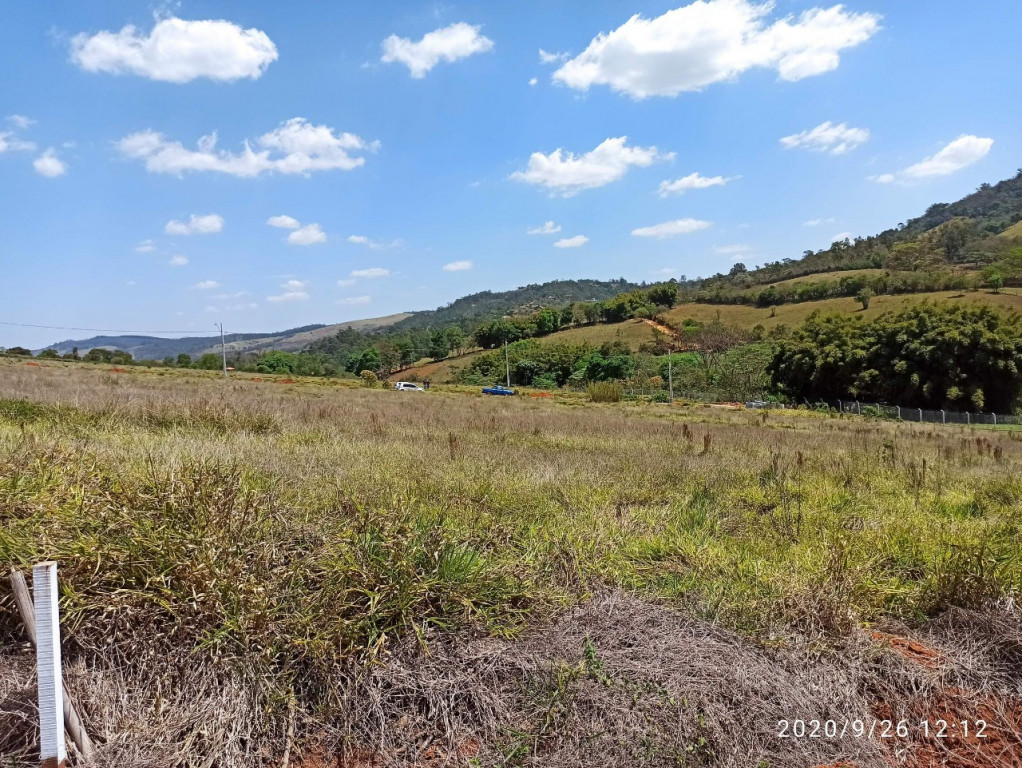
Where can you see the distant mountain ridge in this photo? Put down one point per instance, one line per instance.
(467, 311)
(995, 211)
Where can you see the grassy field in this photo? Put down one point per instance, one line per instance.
(818, 277)
(257, 566)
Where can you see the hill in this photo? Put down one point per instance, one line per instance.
(469, 310)
(466, 311)
(157, 348)
(636, 332)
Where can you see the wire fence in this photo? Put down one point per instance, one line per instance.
(922, 415)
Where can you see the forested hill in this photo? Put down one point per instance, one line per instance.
(469, 310)
(965, 232)
(992, 208)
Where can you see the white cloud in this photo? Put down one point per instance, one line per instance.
(208, 224)
(818, 222)
(827, 137)
(548, 228)
(344, 283)
(206, 285)
(283, 222)
(371, 272)
(671, 228)
(566, 174)
(20, 121)
(447, 44)
(457, 266)
(959, 154)
(294, 290)
(354, 300)
(572, 242)
(729, 250)
(11, 143)
(49, 165)
(664, 271)
(533, 81)
(178, 261)
(294, 147)
(146, 246)
(710, 41)
(177, 51)
(376, 245)
(310, 234)
(545, 57)
(692, 181)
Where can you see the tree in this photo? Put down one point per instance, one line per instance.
(455, 338)
(995, 281)
(48, 354)
(19, 351)
(664, 294)
(369, 379)
(276, 361)
(209, 362)
(930, 355)
(952, 236)
(184, 361)
(863, 297)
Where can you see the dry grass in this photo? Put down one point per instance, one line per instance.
(241, 561)
(793, 314)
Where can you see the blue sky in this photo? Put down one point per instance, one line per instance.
(392, 141)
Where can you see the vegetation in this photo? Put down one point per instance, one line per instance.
(251, 557)
(932, 356)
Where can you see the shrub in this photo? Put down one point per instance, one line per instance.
(369, 379)
(605, 392)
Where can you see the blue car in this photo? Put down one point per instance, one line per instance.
(497, 390)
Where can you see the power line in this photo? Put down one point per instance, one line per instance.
(104, 330)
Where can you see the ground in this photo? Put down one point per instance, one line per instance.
(364, 577)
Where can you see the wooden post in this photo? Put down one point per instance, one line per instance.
(47, 646)
(72, 722)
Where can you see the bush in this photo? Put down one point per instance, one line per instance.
(369, 379)
(605, 392)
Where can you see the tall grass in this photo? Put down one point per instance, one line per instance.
(288, 531)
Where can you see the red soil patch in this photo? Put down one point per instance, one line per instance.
(118, 370)
(433, 756)
(837, 765)
(540, 394)
(659, 327)
(999, 747)
(285, 381)
(255, 379)
(34, 365)
(911, 650)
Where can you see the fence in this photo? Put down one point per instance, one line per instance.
(922, 415)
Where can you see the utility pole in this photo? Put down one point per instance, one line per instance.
(670, 375)
(507, 365)
(223, 347)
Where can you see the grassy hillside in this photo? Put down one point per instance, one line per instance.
(1014, 231)
(636, 332)
(292, 342)
(267, 574)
